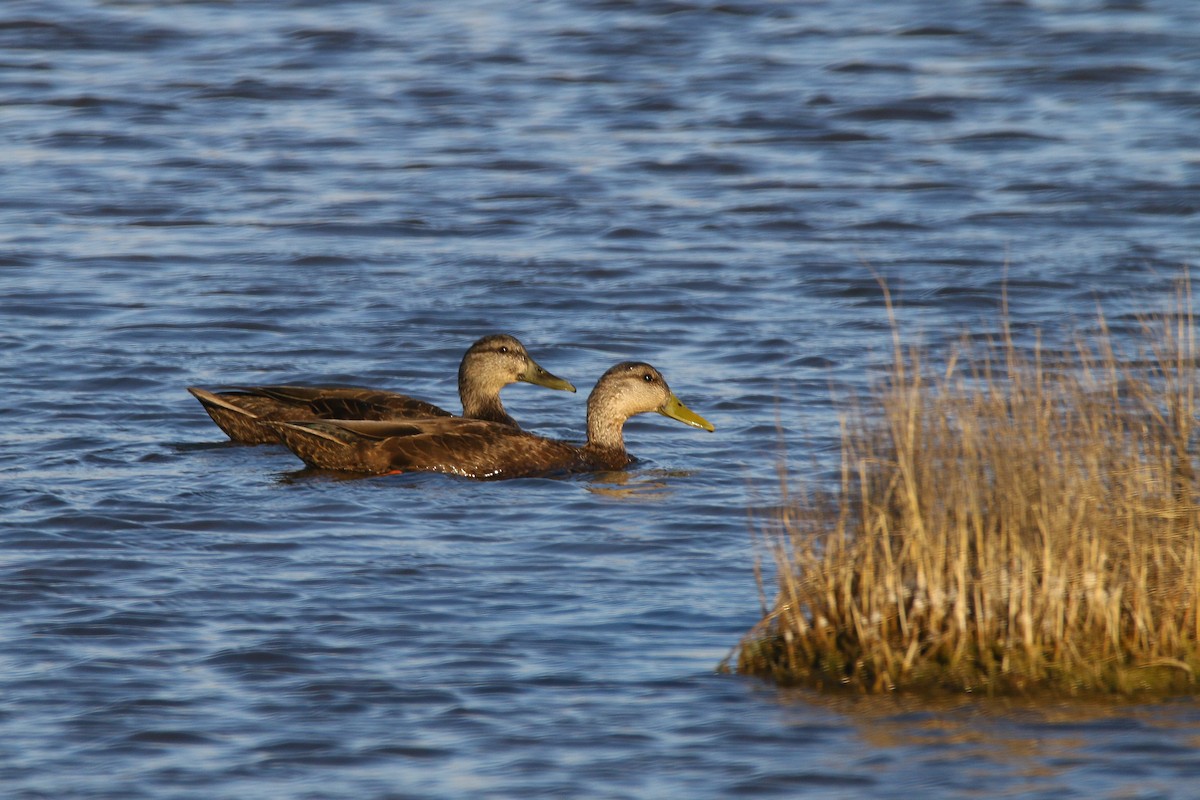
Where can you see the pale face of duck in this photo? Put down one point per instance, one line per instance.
(631, 388)
(494, 362)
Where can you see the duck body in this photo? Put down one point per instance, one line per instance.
(490, 364)
(488, 450)
(240, 411)
(451, 445)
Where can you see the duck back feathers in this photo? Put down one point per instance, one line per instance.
(489, 365)
(488, 450)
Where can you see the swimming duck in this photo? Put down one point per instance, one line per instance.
(488, 366)
(487, 450)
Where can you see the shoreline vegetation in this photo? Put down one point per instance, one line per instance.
(1014, 521)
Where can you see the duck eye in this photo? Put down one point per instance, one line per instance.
(648, 378)
(503, 348)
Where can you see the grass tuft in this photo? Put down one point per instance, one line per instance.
(1017, 521)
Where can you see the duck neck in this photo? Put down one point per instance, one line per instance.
(481, 401)
(606, 435)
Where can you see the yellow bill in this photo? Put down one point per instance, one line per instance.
(675, 409)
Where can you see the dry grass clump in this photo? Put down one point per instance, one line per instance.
(1016, 522)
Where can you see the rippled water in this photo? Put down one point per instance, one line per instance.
(205, 193)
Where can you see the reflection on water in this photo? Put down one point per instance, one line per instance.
(1024, 745)
(645, 485)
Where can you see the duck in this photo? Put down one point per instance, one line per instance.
(490, 364)
(486, 450)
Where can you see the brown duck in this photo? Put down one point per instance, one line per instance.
(487, 450)
(489, 365)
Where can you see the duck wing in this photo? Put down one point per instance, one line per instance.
(240, 411)
(347, 402)
(371, 404)
(453, 445)
(477, 449)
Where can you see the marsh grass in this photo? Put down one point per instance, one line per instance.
(1015, 521)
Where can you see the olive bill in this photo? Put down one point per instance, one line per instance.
(536, 375)
(675, 409)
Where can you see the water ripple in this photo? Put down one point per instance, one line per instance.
(350, 194)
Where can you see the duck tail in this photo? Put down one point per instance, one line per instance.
(317, 444)
(240, 424)
(211, 400)
(301, 430)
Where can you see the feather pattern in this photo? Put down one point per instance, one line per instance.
(489, 365)
(488, 450)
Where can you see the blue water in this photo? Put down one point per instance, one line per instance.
(216, 193)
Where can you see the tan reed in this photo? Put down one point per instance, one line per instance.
(1015, 521)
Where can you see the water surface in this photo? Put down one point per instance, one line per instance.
(206, 193)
